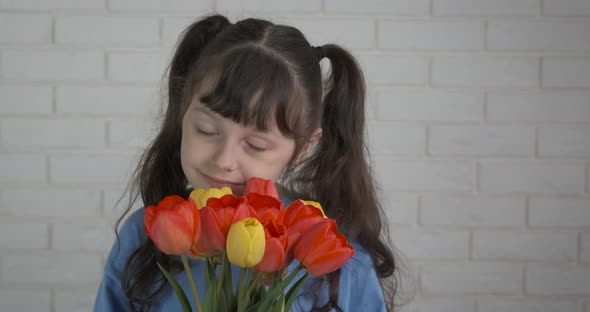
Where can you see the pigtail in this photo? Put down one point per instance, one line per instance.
(339, 171)
(159, 172)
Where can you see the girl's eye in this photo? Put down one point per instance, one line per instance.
(203, 132)
(256, 148)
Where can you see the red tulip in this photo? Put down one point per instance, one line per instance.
(322, 249)
(266, 208)
(299, 217)
(261, 186)
(173, 225)
(275, 252)
(216, 219)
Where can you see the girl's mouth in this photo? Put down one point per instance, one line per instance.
(217, 183)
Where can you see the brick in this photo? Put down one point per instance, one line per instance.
(172, 28)
(431, 175)
(26, 100)
(53, 133)
(526, 35)
(559, 212)
(69, 203)
(564, 141)
(542, 280)
(19, 300)
(160, 5)
(32, 28)
(473, 211)
(566, 7)
(525, 246)
(78, 236)
(311, 6)
(543, 106)
(22, 168)
(129, 133)
(427, 304)
(396, 70)
(107, 100)
(395, 7)
(585, 252)
(97, 169)
(431, 244)
(426, 35)
(499, 71)
(408, 140)
(531, 176)
(482, 140)
(400, 208)
(320, 32)
(24, 236)
(562, 72)
(108, 30)
(497, 304)
(51, 269)
(53, 65)
(429, 105)
(485, 7)
(127, 66)
(472, 278)
(52, 4)
(74, 300)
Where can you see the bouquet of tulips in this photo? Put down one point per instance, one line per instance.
(254, 232)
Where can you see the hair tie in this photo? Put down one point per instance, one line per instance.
(319, 52)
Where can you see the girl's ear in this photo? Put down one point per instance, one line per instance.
(313, 139)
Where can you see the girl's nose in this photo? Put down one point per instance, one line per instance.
(225, 157)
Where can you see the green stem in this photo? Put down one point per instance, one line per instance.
(187, 269)
(220, 281)
(240, 286)
(253, 279)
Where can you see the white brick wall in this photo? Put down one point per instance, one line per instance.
(479, 124)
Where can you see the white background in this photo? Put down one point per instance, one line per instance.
(479, 127)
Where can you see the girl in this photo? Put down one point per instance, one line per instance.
(245, 100)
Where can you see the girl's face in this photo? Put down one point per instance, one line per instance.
(216, 151)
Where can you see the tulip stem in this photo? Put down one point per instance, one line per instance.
(240, 291)
(189, 273)
(220, 281)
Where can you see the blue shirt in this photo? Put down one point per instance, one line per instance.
(359, 286)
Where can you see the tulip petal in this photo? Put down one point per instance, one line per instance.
(273, 258)
(169, 234)
(237, 244)
(330, 262)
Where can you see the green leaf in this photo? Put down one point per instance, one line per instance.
(228, 287)
(223, 305)
(253, 308)
(279, 305)
(294, 291)
(209, 272)
(186, 306)
(209, 300)
(274, 292)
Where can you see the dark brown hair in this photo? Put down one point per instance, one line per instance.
(264, 74)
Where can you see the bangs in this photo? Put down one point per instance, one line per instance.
(254, 88)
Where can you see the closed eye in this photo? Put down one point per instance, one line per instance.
(203, 132)
(257, 148)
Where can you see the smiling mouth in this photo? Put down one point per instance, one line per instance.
(217, 183)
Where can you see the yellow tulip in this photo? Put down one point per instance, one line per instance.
(315, 204)
(245, 243)
(200, 196)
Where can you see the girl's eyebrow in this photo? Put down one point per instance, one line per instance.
(206, 111)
